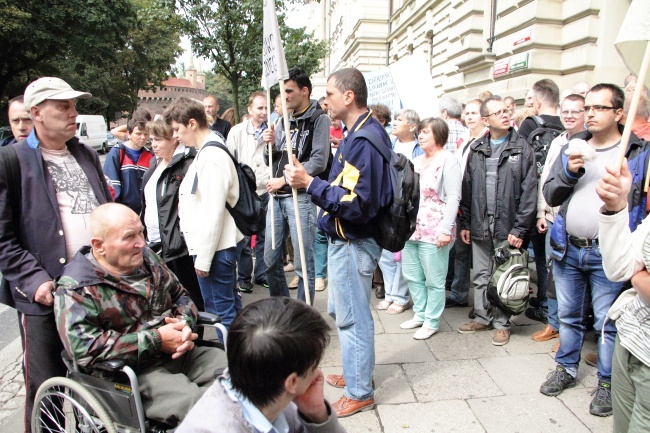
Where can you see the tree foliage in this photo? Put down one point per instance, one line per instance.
(229, 33)
(111, 48)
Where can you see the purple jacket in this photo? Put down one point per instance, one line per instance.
(36, 253)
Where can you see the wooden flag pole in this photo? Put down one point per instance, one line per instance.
(271, 143)
(640, 80)
(289, 147)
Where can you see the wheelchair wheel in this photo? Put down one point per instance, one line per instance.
(63, 405)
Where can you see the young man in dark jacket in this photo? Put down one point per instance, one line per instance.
(310, 143)
(497, 208)
(574, 239)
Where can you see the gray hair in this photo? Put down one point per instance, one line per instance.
(409, 116)
(452, 106)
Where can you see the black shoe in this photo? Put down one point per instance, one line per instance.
(557, 381)
(245, 288)
(450, 303)
(262, 283)
(533, 302)
(380, 293)
(536, 314)
(601, 405)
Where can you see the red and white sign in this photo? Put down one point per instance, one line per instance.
(522, 37)
(501, 67)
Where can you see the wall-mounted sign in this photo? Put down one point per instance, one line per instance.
(501, 67)
(519, 62)
(522, 37)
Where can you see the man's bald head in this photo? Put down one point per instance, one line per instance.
(116, 235)
(106, 217)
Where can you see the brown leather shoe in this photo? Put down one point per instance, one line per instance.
(337, 381)
(347, 406)
(548, 333)
(591, 358)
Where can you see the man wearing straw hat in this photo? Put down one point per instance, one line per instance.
(574, 238)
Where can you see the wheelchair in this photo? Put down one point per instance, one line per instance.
(85, 403)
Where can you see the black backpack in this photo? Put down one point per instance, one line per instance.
(396, 223)
(247, 213)
(540, 139)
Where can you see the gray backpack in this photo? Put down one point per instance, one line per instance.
(509, 285)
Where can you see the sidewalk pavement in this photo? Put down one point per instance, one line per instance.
(449, 383)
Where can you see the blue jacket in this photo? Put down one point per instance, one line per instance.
(559, 186)
(126, 175)
(37, 253)
(359, 185)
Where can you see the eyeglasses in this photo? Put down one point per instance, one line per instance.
(498, 113)
(573, 113)
(598, 108)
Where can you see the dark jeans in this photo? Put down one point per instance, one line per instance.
(183, 268)
(245, 262)
(460, 284)
(538, 240)
(42, 360)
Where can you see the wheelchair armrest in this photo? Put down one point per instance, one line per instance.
(205, 318)
(111, 366)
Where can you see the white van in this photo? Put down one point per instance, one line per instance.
(91, 130)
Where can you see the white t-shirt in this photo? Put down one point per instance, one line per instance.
(405, 149)
(151, 209)
(74, 195)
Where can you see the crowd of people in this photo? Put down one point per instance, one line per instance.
(125, 280)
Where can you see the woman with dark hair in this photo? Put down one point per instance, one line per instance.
(425, 256)
(159, 215)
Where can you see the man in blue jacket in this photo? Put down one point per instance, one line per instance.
(357, 189)
(61, 182)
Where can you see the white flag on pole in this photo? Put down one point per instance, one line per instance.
(634, 37)
(274, 63)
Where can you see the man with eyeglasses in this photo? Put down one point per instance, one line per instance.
(572, 115)
(574, 239)
(497, 208)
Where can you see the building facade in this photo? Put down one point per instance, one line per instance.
(474, 45)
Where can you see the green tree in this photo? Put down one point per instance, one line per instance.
(229, 33)
(111, 48)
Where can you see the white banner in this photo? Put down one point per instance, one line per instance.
(274, 63)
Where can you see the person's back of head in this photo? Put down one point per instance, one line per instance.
(183, 109)
(268, 341)
(547, 92)
(381, 113)
(451, 106)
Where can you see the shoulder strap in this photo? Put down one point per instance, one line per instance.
(538, 120)
(212, 144)
(374, 139)
(12, 170)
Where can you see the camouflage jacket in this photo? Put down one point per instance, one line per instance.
(101, 318)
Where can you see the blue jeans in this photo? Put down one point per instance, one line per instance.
(579, 267)
(397, 289)
(245, 263)
(425, 269)
(460, 285)
(285, 219)
(219, 288)
(320, 254)
(551, 304)
(351, 265)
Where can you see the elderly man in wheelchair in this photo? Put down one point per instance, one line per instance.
(118, 308)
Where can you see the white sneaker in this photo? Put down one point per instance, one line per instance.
(289, 267)
(293, 284)
(424, 332)
(321, 284)
(411, 324)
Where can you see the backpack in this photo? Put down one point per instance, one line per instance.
(540, 139)
(395, 224)
(247, 212)
(509, 285)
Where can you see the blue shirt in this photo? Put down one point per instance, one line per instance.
(252, 414)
